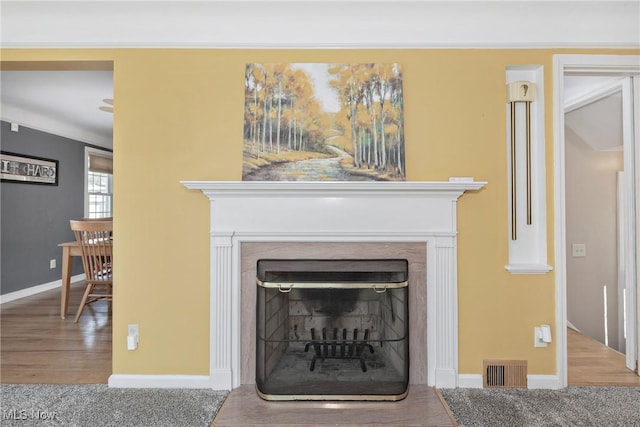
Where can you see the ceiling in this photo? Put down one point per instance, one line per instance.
(64, 103)
(314, 24)
(597, 120)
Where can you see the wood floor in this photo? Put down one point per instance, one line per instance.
(591, 363)
(38, 347)
(422, 407)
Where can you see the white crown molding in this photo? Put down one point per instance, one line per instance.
(316, 25)
(592, 94)
(50, 125)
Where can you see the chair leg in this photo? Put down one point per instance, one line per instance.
(83, 302)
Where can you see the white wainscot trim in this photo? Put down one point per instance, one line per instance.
(277, 211)
(160, 381)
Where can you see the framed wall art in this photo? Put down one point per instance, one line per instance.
(323, 122)
(20, 168)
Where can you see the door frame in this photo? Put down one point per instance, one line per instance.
(609, 65)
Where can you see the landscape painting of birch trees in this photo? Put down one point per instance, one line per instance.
(323, 122)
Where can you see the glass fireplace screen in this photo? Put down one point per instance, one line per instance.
(332, 329)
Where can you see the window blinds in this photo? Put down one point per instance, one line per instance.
(98, 163)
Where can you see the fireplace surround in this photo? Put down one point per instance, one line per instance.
(246, 217)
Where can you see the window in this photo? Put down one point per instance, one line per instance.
(99, 184)
(100, 194)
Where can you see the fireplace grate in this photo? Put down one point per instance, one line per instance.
(335, 348)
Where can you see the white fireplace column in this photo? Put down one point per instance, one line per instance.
(334, 212)
(221, 311)
(443, 339)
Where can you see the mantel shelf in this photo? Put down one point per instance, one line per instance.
(329, 188)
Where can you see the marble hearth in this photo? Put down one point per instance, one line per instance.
(411, 220)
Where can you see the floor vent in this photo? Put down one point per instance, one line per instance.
(504, 374)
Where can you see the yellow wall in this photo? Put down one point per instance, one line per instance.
(179, 117)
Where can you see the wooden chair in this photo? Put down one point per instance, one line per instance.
(96, 241)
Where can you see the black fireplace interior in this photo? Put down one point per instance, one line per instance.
(332, 329)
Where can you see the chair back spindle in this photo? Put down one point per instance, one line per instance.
(95, 239)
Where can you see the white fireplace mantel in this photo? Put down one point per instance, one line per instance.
(295, 211)
(329, 188)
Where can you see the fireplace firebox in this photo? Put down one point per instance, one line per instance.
(332, 329)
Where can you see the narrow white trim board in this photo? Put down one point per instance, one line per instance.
(470, 381)
(543, 382)
(533, 381)
(159, 381)
(34, 290)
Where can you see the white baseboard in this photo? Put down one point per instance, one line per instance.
(445, 378)
(203, 381)
(159, 381)
(543, 382)
(533, 381)
(33, 290)
(470, 381)
(221, 378)
(572, 326)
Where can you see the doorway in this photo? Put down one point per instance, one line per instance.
(53, 108)
(572, 155)
(594, 164)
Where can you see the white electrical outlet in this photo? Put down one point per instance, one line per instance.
(52, 263)
(133, 336)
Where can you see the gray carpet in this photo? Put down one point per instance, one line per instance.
(572, 406)
(97, 405)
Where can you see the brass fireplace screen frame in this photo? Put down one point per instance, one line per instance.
(284, 282)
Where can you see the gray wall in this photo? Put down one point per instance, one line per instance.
(591, 210)
(35, 218)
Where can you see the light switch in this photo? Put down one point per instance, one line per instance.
(579, 250)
